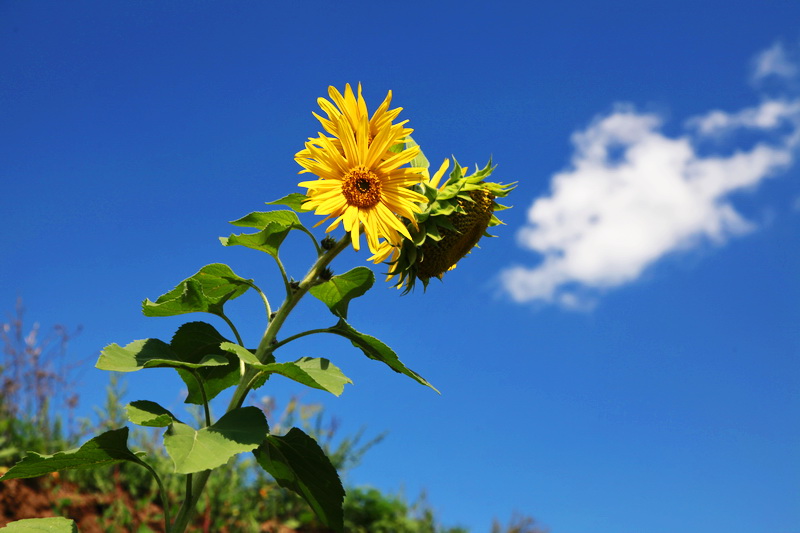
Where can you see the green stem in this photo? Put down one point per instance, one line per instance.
(162, 492)
(264, 299)
(313, 239)
(233, 328)
(203, 395)
(262, 352)
(189, 484)
(287, 340)
(284, 276)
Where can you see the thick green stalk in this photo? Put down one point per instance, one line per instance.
(262, 352)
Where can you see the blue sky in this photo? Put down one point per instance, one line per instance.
(625, 358)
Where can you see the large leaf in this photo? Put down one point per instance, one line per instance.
(106, 449)
(147, 413)
(337, 292)
(297, 463)
(207, 291)
(191, 450)
(375, 349)
(200, 341)
(151, 353)
(293, 201)
(276, 225)
(317, 373)
(42, 525)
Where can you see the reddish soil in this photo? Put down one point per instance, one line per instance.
(43, 497)
(52, 496)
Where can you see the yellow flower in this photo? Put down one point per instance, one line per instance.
(362, 181)
(354, 108)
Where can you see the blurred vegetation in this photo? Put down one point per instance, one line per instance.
(38, 389)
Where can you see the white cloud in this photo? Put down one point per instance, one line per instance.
(633, 194)
(769, 115)
(773, 61)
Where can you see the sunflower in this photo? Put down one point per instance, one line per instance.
(362, 181)
(354, 108)
(457, 215)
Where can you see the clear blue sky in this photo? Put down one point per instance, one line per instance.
(625, 358)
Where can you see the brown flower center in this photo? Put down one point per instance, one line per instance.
(361, 188)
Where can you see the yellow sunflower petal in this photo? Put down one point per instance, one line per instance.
(363, 185)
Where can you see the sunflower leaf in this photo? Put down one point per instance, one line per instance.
(207, 291)
(337, 292)
(375, 349)
(261, 219)
(298, 463)
(147, 413)
(201, 341)
(191, 450)
(318, 373)
(106, 449)
(419, 161)
(151, 353)
(293, 201)
(56, 524)
(241, 352)
(267, 240)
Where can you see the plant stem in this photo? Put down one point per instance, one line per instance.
(264, 299)
(233, 328)
(287, 340)
(262, 353)
(162, 494)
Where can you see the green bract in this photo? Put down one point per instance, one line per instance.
(458, 214)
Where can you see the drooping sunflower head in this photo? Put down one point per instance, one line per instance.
(363, 181)
(458, 214)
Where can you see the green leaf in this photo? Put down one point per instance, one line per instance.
(191, 450)
(241, 352)
(200, 341)
(42, 525)
(207, 291)
(134, 356)
(195, 340)
(375, 349)
(293, 201)
(262, 219)
(147, 413)
(276, 225)
(297, 463)
(420, 160)
(106, 449)
(268, 240)
(337, 292)
(317, 373)
(150, 353)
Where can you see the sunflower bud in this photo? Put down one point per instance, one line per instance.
(469, 226)
(458, 214)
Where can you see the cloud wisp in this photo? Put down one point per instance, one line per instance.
(633, 194)
(774, 62)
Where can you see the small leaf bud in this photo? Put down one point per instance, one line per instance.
(328, 243)
(326, 274)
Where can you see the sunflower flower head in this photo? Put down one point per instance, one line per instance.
(458, 214)
(361, 162)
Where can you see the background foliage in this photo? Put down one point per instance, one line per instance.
(121, 497)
